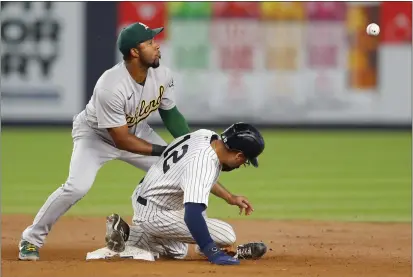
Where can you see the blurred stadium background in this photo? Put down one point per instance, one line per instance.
(301, 65)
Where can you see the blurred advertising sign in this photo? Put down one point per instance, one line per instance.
(292, 71)
(190, 45)
(189, 10)
(322, 11)
(325, 45)
(235, 41)
(42, 60)
(283, 11)
(396, 22)
(286, 53)
(236, 9)
(363, 49)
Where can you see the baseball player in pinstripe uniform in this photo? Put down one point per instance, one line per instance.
(169, 203)
(114, 126)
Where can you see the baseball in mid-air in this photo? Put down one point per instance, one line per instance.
(373, 29)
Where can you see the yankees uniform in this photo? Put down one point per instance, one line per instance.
(117, 100)
(185, 173)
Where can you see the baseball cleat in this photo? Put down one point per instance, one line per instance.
(251, 251)
(117, 233)
(28, 251)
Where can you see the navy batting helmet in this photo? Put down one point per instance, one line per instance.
(245, 138)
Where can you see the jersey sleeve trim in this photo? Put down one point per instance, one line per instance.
(102, 126)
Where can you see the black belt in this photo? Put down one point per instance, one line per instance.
(142, 201)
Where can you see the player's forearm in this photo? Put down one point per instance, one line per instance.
(196, 224)
(136, 145)
(175, 122)
(221, 192)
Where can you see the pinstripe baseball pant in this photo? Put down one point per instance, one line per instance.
(165, 231)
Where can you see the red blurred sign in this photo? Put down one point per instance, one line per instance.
(152, 14)
(236, 57)
(396, 22)
(326, 10)
(236, 9)
(324, 45)
(323, 56)
(235, 40)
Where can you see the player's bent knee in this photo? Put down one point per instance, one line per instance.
(77, 189)
(178, 254)
(231, 237)
(227, 236)
(229, 240)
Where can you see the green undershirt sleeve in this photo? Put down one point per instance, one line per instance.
(175, 122)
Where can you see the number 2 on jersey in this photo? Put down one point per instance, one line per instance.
(174, 154)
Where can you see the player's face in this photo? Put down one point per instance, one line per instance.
(149, 53)
(235, 161)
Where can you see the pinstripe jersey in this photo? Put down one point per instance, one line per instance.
(185, 172)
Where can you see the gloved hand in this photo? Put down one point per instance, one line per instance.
(216, 256)
(157, 150)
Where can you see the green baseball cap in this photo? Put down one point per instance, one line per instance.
(134, 34)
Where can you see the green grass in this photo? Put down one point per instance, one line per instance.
(302, 175)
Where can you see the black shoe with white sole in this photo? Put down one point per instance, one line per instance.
(251, 251)
(117, 233)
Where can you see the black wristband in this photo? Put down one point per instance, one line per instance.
(157, 150)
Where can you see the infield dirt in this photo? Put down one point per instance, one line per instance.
(296, 248)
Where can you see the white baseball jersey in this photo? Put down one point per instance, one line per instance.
(118, 100)
(185, 172)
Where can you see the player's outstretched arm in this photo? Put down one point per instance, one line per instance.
(174, 121)
(221, 192)
(240, 201)
(128, 142)
(199, 230)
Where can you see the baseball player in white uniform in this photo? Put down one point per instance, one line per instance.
(169, 203)
(114, 126)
